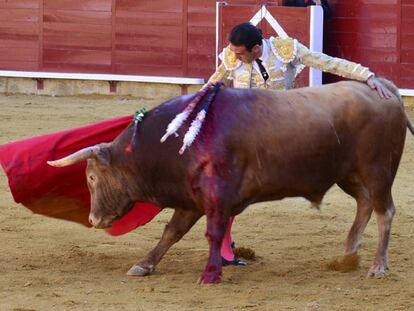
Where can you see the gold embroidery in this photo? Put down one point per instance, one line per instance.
(276, 75)
(338, 66)
(230, 60)
(218, 75)
(284, 48)
(257, 79)
(244, 78)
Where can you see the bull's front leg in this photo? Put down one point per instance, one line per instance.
(180, 223)
(216, 227)
(215, 210)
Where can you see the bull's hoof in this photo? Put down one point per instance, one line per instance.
(377, 271)
(138, 270)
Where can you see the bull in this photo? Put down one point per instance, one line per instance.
(255, 145)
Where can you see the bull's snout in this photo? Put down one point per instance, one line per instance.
(99, 222)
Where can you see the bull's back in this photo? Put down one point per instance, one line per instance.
(300, 142)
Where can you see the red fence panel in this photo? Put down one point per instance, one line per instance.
(76, 36)
(149, 37)
(178, 37)
(366, 32)
(407, 44)
(19, 35)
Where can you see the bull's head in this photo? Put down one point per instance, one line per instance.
(108, 183)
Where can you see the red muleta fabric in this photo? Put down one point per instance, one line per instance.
(62, 192)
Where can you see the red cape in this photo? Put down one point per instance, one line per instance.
(62, 192)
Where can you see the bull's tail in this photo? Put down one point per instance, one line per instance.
(391, 86)
(410, 125)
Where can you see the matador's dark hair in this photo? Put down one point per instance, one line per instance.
(246, 34)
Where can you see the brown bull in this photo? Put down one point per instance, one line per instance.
(255, 146)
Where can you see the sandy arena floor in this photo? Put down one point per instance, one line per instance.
(47, 264)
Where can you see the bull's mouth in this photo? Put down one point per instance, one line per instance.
(105, 224)
(109, 220)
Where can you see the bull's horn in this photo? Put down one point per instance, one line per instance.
(78, 156)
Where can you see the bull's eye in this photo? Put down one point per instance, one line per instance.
(92, 178)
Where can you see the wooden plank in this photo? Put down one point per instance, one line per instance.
(40, 29)
(407, 70)
(368, 11)
(407, 26)
(77, 41)
(150, 30)
(18, 37)
(408, 12)
(199, 6)
(145, 43)
(145, 58)
(204, 31)
(368, 40)
(201, 45)
(78, 17)
(18, 54)
(378, 1)
(202, 60)
(20, 4)
(184, 28)
(358, 55)
(15, 43)
(302, 79)
(373, 25)
(18, 28)
(19, 15)
(201, 72)
(406, 83)
(200, 19)
(50, 27)
(81, 5)
(18, 65)
(75, 68)
(113, 35)
(149, 18)
(74, 56)
(407, 56)
(399, 41)
(147, 48)
(407, 41)
(387, 70)
(150, 6)
(151, 70)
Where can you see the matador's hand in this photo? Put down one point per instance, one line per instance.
(382, 90)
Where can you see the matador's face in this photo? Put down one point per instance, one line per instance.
(243, 54)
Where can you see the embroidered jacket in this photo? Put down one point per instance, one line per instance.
(283, 59)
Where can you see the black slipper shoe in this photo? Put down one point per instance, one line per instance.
(235, 262)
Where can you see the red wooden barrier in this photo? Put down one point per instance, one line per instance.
(177, 37)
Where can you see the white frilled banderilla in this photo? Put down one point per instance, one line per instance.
(197, 123)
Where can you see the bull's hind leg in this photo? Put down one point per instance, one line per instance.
(363, 214)
(180, 223)
(359, 192)
(384, 210)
